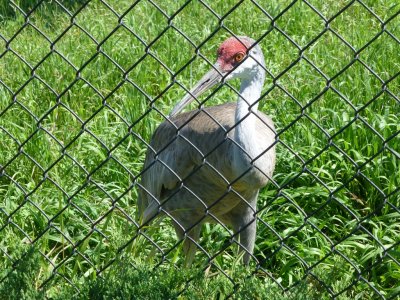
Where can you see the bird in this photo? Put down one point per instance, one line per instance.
(208, 164)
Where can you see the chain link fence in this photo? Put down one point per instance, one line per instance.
(84, 85)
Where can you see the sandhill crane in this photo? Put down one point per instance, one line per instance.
(208, 165)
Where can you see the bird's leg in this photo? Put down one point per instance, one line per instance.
(190, 241)
(246, 227)
(247, 239)
(190, 245)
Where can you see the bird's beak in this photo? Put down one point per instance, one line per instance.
(210, 79)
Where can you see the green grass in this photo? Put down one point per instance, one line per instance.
(71, 116)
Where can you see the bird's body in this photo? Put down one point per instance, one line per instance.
(208, 166)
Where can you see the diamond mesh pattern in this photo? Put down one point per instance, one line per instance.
(81, 97)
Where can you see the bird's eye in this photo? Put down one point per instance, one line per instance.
(239, 56)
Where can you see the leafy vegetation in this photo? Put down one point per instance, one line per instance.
(82, 89)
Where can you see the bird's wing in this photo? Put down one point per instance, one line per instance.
(174, 153)
(164, 167)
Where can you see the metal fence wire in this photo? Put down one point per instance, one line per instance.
(84, 86)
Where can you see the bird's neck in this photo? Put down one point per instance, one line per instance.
(247, 107)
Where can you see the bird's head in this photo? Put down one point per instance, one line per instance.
(237, 57)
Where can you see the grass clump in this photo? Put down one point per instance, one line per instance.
(21, 282)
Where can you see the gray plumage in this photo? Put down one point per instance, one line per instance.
(211, 169)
